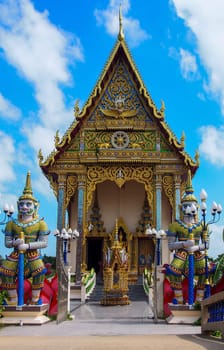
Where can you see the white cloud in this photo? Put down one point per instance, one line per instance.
(216, 245)
(110, 19)
(40, 137)
(7, 159)
(42, 185)
(207, 24)
(212, 145)
(8, 110)
(42, 54)
(188, 65)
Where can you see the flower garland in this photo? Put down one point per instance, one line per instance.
(24, 225)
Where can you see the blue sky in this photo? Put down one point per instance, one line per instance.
(52, 53)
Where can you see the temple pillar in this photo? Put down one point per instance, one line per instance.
(61, 200)
(158, 277)
(158, 201)
(80, 241)
(61, 271)
(158, 215)
(60, 216)
(177, 182)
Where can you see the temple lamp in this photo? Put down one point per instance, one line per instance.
(7, 212)
(191, 211)
(216, 211)
(66, 235)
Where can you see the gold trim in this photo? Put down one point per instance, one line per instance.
(168, 186)
(119, 175)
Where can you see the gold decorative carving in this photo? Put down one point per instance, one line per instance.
(74, 145)
(104, 145)
(168, 187)
(120, 99)
(71, 187)
(119, 110)
(119, 175)
(117, 124)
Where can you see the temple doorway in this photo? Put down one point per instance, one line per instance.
(95, 254)
(145, 254)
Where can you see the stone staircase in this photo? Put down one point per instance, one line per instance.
(135, 293)
(97, 293)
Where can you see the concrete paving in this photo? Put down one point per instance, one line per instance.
(106, 327)
(94, 319)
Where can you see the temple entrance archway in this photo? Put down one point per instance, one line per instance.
(126, 202)
(128, 207)
(95, 254)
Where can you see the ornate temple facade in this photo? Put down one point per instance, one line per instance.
(118, 162)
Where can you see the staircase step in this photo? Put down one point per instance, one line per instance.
(135, 293)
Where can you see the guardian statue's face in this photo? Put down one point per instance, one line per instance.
(189, 211)
(26, 207)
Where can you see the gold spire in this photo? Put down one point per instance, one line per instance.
(189, 187)
(188, 195)
(27, 192)
(121, 33)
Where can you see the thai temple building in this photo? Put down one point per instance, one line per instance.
(117, 170)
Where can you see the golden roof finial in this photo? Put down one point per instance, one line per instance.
(121, 33)
(162, 109)
(40, 156)
(196, 157)
(76, 109)
(182, 139)
(56, 139)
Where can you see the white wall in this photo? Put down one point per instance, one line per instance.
(126, 202)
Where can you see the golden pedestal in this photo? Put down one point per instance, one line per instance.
(26, 314)
(183, 314)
